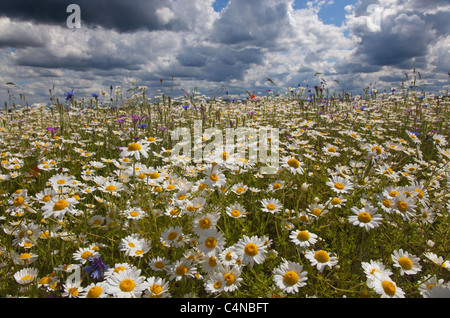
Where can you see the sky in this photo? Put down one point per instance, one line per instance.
(220, 46)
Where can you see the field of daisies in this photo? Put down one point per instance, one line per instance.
(94, 202)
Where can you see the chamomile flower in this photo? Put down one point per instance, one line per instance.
(439, 291)
(57, 207)
(437, 260)
(182, 268)
(134, 213)
(72, 289)
(316, 210)
(228, 257)
(134, 245)
(321, 259)
(173, 236)
(293, 165)
(26, 275)
(405, 206)
(336, 202)
(95, 290)
(271, 205)
(427, 285)
(340, 185)
(252, 249)
(24, 258)
(159, 263)
(384, 286)
(205, 222)
(83, 253)
(289, 277)
(214, 177)
(157, 287)
(236, 211)
(118, 267)
(211, 242)
(126, 284)
(365, 217)
(60, 181)
(408, 263)
(276, 185)
(209, 263)
(303, 238)
(136, 150)
(232, 277)
(374, 267)
(214, 283)
(239, 188)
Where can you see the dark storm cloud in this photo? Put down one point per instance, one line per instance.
(407, 33)
(123, 16)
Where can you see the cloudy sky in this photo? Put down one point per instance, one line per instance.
(220, 46)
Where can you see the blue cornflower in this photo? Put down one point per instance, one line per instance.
(95, 96)
(97, 268)
(69, 95)
(142, 126)
(185, 106)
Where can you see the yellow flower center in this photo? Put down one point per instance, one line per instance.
(159, 265)
(276, 186)
(94, 292)
(240, 190)
(331, 149)
(181, 270)
(420, 193)
(364, 217)
(18, 201)
(294, 163)
(119, 269)
(290, 278)
(317, 211)
(214, 177)
(134, 214)
(61, 181)
(335, 201)
(134, 147)
(26, 277)
(339, 186)
(46, 198)
(322, 256)
(271, 207)
(402, 206)
(205, 223)
(251, 249)
(388, 287)
(210, 242)
(127, 285)
(225, 155)
(230, 278)
(217, 284)
(303, 236)
(172, 236)
(86, 254)
(111, 188)
(235, 213)
(405, 263)
(386, 203)
(393, 193)
(60, 205)
(156, 289)
(154, 175)
(181, 197)
(377, 149)
(73, 292)
(212, 261)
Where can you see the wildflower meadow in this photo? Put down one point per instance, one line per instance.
(298, 194)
